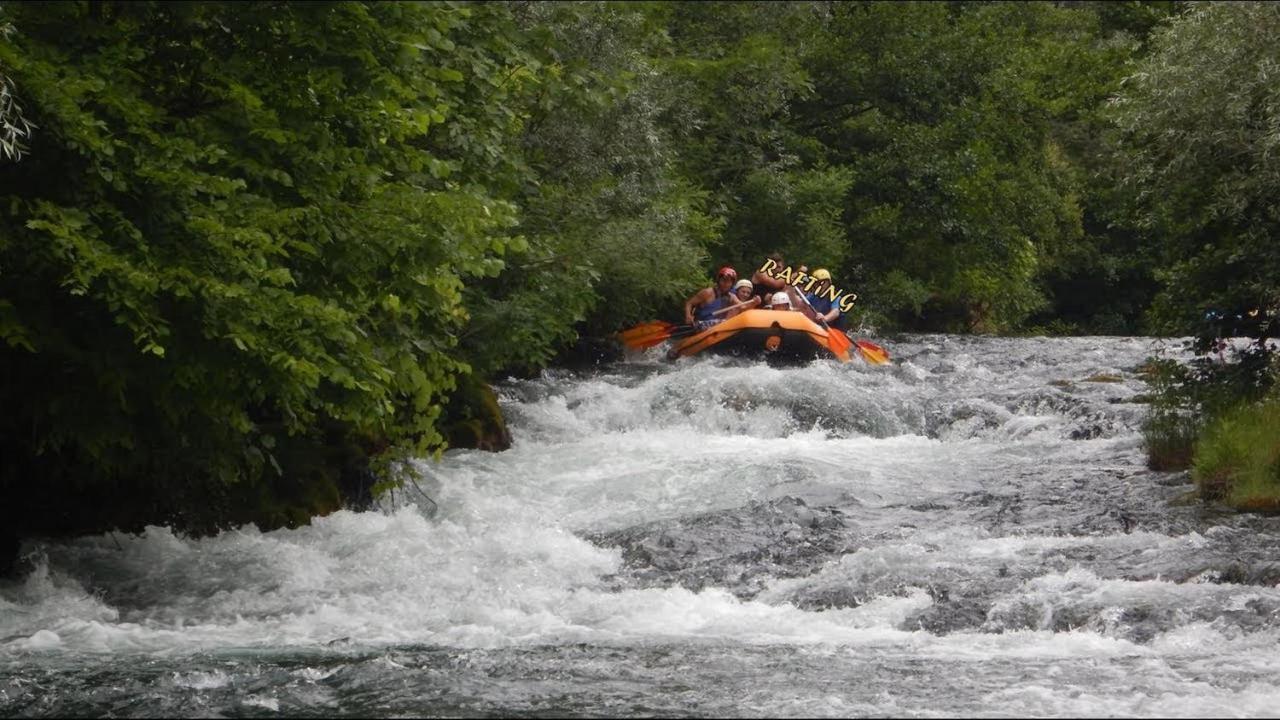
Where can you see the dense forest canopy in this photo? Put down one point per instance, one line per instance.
(246, 248)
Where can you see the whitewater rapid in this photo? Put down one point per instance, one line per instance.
(971, 530)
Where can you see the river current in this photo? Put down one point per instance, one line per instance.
(969, 531)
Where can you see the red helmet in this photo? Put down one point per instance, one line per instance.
(727, 271)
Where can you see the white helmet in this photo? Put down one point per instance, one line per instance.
(780, 298)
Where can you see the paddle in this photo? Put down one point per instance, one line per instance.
(837, 342)
(748, 305)
(657, 339)
(872, 352)
(644, 329)
(648, 334)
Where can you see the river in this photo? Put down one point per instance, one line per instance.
(970, 531)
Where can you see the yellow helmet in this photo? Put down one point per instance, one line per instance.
(822, 274)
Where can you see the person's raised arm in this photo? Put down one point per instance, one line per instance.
(769, 281)
(801, 303)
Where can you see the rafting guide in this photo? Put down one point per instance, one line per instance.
(795, 277)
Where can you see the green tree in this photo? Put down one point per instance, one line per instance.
(943, 114)
(734, 74)
(1196, 132)
(14, 127)
(613, 233)
(241, 238)
(1197, 137)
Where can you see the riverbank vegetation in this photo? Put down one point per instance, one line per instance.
(1238, 458)
(252, 253)
(1197, 135)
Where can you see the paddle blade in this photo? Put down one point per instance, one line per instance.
(648, 342)
(655, 336)
(872, 352)
(838, 341)
(645, 329)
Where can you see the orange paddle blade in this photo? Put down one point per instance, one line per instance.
(655, 335)
(838, 341)
(643, 329)
(648, 341)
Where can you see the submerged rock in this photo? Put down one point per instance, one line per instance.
(1103, 378)
(741, 548)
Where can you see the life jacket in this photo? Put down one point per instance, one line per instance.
(822, 305)
(706, 310)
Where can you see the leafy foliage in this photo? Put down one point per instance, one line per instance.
(1196, 129)
(14, 126)
(240, 224)
(612, 234)
(1198, 126)
(1189, 397)
(251, 247)
(960, 192)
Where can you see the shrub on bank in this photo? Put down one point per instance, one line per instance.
(1237, 459)
(1170, 431)
(1170, 440)
(1188, 398)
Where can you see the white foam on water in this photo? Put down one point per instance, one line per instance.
(202, 680)
(265, 703)
(42, 640)
(475, 582)
(499, 558)
(1183, 698)
(388, 579)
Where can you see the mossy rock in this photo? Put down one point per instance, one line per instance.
(473, 419)
(1146, 369)
(1104, 378)
(322, 471)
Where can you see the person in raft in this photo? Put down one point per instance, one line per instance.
(822, 304)
(764, 284)
(702, 308)
(743, 290)
(780, 301)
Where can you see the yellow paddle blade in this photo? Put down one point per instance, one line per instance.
(873, 353)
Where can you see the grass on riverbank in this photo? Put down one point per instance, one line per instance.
(1237, 458)
(1170, 440)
